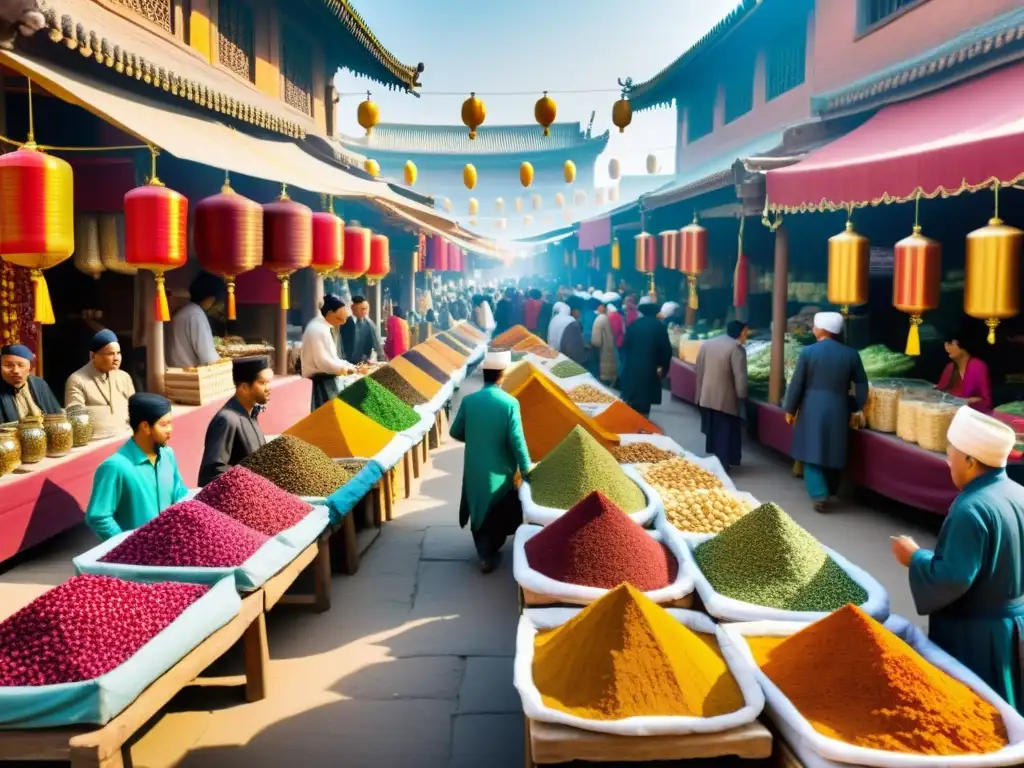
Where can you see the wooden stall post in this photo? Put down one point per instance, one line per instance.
(780, 299)
(376, 298)
(156, 365)
(409, 303)
(281, 343)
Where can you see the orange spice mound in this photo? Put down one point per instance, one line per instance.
(623, 420)
(876, 691)
(431, 354)
(446, 352)
(469, 330)
(528, 342)
(511, 337)
(422, 382)
(548, 415)
(342, 432)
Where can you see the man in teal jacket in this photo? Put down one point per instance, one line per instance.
(142, 479)
(488, 422)
(972, 586)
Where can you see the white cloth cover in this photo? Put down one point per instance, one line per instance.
(581, 595)
(392, 453)
(986, 439)
(535, 709)
(829, 321)
(535, 514)
(805, 740)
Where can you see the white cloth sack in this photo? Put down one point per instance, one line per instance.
(805, 739)
(535, 709)
(392, 453)
(729, 609)
(580, 595)
(535, 514)
(664, 442)
(416, 432)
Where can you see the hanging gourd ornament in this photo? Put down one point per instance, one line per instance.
(155, 232)
(526, 174)
(622, 110)
(227, 236)
(693, 256)
(287, 240)
(328, 241)
(356, 259)
(569, 171)
(646, 256)
(410, 173)
(469, 176)
(473, 114)
(87, 245)
(848, 261)
(368, 114)
(372, 167)
(545, 111)
(992, 280)
(916, 281)
(669, 247)
(380, 259)
(474, 206)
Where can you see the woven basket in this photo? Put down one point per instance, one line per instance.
(688, 350)
(881, 409)
(933, 421)
(906, 418)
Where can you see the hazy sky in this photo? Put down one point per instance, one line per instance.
(494, 47)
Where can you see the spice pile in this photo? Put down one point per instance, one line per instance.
(454, 343)
(623, 420)
(371, 399)
(342, 432)
(678, 474)
(393, 382)
(577, 467)
(704, 510)
(548, 415)
(417, 358)
(440, 359)
(765, 558)
(443, 352)
(623, 656)
(297, 467)
(420, 380)
(188, 534)
(254, 501)
(567, 369)
(86, 627)
(510, 338)
(469, 334)
(542, 350)
(640, 453)
(595, 545)
(883, 695)
(528, 343)
(587, 393)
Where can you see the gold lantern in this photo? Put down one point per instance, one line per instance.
(372, 167)
(409, 173)
(992, 281)
(87, 245)
(848, 260)
(670, 252)
(499, 205)
(622, 110)
(473, 114)
(693, 256)
(545, 111)
(569, 171)
(646, 256)
(474, 206)
(112, 244)
(616, 255)
(368, 114)
(526, 174)
(469, 176)
(447, 205)
(614, 169)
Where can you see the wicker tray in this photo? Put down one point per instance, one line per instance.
(933, 421)
(882, 408)
(199, 386)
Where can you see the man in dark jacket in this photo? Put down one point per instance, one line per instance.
(646, 355)
(572, 344)
(359, 337)
(23, 395)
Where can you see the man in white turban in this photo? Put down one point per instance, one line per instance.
(818, 403)
(972, 586)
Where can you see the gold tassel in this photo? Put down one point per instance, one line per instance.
(992, 324)
(161, 310)
(231, 298)
(691, 280)
(285, 293)
(43, 309)
(914, 337)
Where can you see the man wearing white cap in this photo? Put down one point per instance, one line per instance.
(489, 423)
(972, 586)
(818, 403)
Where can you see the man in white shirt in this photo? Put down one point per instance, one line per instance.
(319, 358)
(190, 341)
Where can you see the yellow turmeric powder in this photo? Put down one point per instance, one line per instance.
(342, 432)
(469, 330)
(881, 694)
(511, 337)
(446, 352)
(529, 342)
(624, 656)
(623, 420)
(422, 382)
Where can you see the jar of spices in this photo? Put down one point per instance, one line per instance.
(60, 437)
(81, 425)
(32, 437)
(10, 451)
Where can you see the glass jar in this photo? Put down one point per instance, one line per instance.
(60, 436)
(32, 437)
(10, 451)
(81, 425)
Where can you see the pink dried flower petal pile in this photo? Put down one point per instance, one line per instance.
(254, 501)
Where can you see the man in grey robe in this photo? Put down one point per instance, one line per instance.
(190, 339)
(102, 388)
(234, 432)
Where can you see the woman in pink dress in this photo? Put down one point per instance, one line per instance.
(966, 376)
(397, 330)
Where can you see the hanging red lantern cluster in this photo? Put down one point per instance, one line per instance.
(437, 254)
(669, 242)
(328, 241)
(228, 237)
(916, 281)
(693, 256)
(287, 240)
(380, 259)
(357, 252)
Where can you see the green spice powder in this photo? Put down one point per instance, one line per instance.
(765, 558)
(578, 466)
(567, 369)
(370, 398)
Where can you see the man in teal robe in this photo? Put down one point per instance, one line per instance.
(972, 586)
(142, 479)
(488, 422)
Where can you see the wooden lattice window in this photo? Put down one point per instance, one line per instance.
(739, 88)
(236, 44)
(700, 110)
(297, 71)
(874, 13)
(160, 12)
(785, 62)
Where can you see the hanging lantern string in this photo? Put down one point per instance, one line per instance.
(31, 116)
(154, 180)
(997, 185)
(490, 94)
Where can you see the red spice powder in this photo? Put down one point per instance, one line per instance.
(595, 544)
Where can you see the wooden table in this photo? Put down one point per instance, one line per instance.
(529, 599)
(108, 746)
(548, 744)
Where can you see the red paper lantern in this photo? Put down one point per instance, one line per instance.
(380, 259)
(693, 256)
(228, 237)
(419, 263)
(287, 240)
(437, 254)
(669, 241)
(916, 281)
(357, 252)
(328, 243)
(646, 259)
(741, 281)
(156, 235)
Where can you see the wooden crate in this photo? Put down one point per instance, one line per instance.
(199, 386)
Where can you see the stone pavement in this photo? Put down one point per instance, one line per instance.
(412, 666)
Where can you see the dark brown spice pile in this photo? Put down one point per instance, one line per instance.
(454, 343)
(393, 382)
(297, 467)
(420, 361)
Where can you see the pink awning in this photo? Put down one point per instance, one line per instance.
(959, 139)
(595, 233)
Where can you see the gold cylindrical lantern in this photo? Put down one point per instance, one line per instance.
(646, 256)
(693, 256)
(616, 255)
(916, 280)
(848, 259)
(474, 206)
(473, 114)
(992, 287)
(499, 205)
(669, 242)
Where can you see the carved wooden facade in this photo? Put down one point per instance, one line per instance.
(297, 70)
(236, 38)
(159, 12)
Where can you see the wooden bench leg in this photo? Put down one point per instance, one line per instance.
(256, 651)
(424, 450)
(379, 501)
(527, 744)
(407, 474)
(322, 575)
(416, 461)
(350, 556)
(390, 495)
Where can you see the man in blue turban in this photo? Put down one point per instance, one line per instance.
(21, 394)
(142, 479)
(101, 387)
